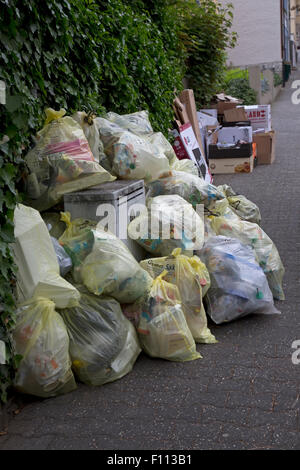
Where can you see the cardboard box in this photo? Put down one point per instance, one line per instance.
(222, 166)
(223, 106)
(265, 147)
(233, 135)
(239, 151)
(260, 116)
(186, 147)
(235, 115)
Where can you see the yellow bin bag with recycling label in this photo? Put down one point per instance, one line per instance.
(192, 279)
(163, 330)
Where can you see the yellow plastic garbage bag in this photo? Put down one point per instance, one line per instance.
(163, 330)
(192, 279)
(60, 162)
(77, 240)
(54, 223)
(186, 165)
(40, 336)
(132, 156)
(52, 114)
(103, 343)
(110, 269)
(243, 207)
(159, 140)
(169, 222)
(265, 250)
(138, 123)
(35, 257)
(190, 187)
(91, 132)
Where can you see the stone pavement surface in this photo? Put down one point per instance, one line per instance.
(243, 394)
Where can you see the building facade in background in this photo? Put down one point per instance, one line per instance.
(295, 21)
(265, 30)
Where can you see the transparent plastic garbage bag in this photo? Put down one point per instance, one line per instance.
(169, 222)
(190, 187)
(265, 250)
(239, 286)
(103, 343)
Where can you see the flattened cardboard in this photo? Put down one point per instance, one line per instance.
(188, 99)
(181, 111)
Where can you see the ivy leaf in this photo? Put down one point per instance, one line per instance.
(7, 234)
(13, 103)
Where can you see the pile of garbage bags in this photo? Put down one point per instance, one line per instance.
(86, 308)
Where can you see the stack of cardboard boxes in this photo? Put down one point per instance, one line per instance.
(233, 138)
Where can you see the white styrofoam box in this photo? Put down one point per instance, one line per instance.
(260, 116)
(110, 203)
(232, 135)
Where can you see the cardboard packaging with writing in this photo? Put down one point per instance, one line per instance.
(222, 166)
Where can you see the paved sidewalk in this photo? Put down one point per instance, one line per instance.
(243, 394)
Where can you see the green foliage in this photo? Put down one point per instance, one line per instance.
(206, 34)
(240, 88)
(98, 54)
(232, 74)
(278, 81)
(118, 55)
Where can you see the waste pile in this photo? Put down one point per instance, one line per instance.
(87, 302)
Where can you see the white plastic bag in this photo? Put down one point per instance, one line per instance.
(110, 269)
(40, 336)
(38, 268)
(169, 222)
(238, 284)
(61, 162)
(103, 343)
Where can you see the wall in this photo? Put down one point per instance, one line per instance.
(258, 24)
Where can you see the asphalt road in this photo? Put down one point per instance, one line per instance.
(243, 394)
